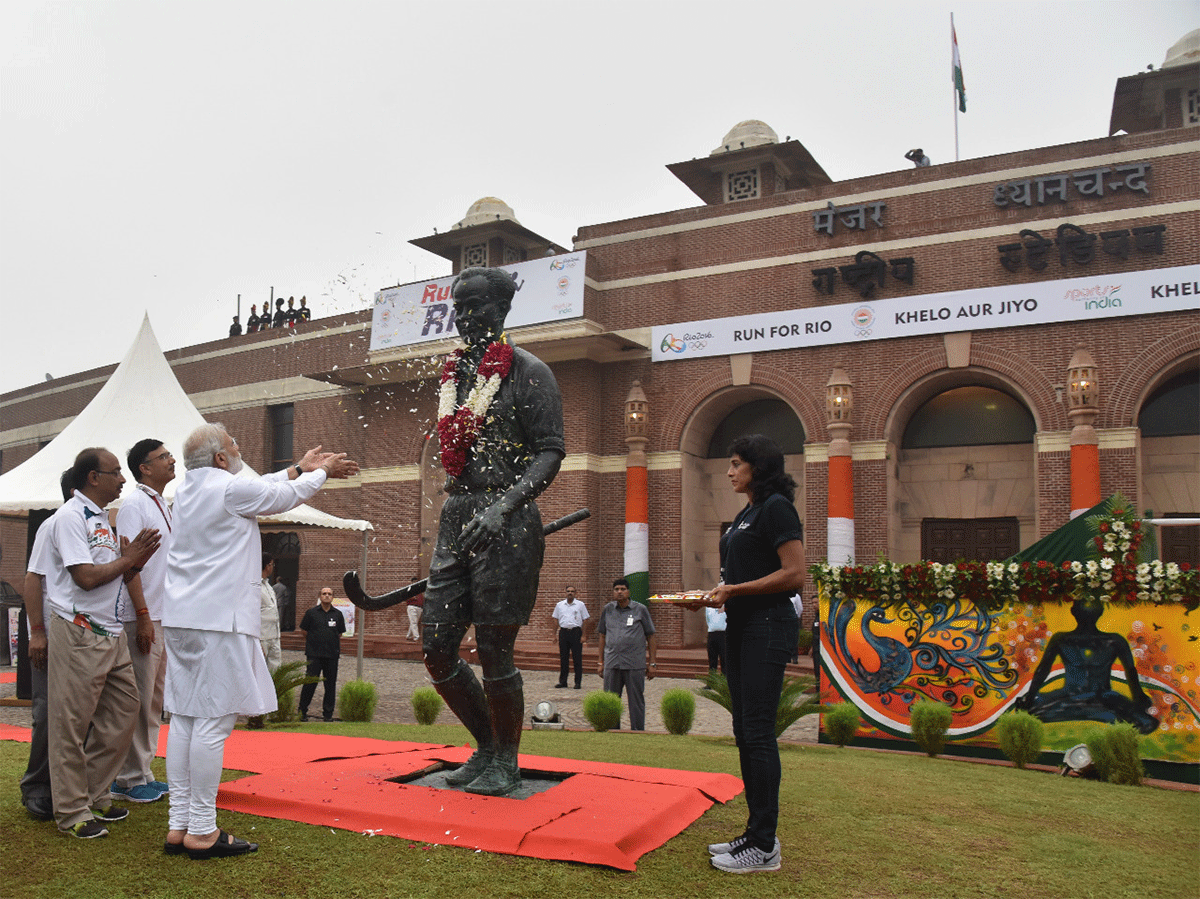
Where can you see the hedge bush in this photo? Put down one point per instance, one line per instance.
(1020, 736)
(678, 710)
(841, 722)
(1115, 754)
(357, 701)
(426, 704)
(603, 710)
(930, 720)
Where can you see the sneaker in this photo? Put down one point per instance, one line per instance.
(88, 830)
(748, 859)
(110, 814)
(727, 848)
(145, 793)
(160, 786)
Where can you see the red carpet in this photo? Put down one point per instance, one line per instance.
(603, 814)
(8, 677)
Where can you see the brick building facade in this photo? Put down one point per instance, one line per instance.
(754, 248)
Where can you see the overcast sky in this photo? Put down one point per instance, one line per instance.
(170, 155)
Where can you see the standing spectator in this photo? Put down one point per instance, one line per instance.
(252, 321)
(415, 605)
(303, 313)
(35, 783)
(215, 665)
(153, 467)
(323, 626)
(570, 613)
(762, 565)
(268, 636)
(235, 330)
(715, 619)
(280, 318)
(92, 695)
(624, 632)
(291, 312)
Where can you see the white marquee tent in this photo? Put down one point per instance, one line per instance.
(141, 399)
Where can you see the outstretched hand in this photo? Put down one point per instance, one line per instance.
(336, 465)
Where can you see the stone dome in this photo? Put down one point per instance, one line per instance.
(1183, 51)
(743, 135)
(487, 209)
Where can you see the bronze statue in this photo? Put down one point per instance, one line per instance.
(500, 430)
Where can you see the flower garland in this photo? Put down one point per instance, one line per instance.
(458, 427)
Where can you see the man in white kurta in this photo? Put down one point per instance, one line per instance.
(211, 621)
(153, 467)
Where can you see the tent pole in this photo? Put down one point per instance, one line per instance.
(362, 614)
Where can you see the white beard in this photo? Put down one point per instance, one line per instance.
(235, 464)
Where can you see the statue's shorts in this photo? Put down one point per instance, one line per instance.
(497, 586)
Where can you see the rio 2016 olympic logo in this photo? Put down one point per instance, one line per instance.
(671, 344)
(862, 318)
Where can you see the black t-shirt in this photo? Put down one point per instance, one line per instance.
(323, 630)
(750, 550)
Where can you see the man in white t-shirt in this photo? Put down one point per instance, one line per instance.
(93, 695)
(570, 614)
(153, 467)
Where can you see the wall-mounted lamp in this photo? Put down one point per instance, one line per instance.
(1083, 388)
(839, 398)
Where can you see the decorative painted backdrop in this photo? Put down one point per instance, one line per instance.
(1087, 663)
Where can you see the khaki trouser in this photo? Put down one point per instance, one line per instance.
(91, 682)
(150, 669)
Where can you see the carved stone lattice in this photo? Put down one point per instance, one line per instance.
(742, 185)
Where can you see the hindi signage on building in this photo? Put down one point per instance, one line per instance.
(548, 289)
(1007, 306)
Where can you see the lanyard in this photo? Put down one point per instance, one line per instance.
(161, 510)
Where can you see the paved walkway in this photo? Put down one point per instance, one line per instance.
(395, 680)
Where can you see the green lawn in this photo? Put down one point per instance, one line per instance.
(855, 824)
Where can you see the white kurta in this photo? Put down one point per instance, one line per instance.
(211, 618)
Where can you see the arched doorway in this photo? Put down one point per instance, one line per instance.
(1169, 422)
(707, 503)
(964, 478)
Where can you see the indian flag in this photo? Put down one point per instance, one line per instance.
(960, 89)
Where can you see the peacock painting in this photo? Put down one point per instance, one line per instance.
(905, 652)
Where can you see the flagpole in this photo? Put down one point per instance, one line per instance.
(954, 82)
(956, 76)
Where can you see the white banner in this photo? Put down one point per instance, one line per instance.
(1007, 306)
(548, 289)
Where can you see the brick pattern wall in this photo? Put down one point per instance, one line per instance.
(386, 424)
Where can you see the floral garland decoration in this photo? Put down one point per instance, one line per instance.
(458, 427)
(1114, 574)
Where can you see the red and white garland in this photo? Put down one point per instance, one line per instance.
(459, 426)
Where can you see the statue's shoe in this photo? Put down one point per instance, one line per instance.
(475, 766)
(500, 779)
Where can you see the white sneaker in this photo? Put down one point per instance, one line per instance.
(733, 846)
(748, 859)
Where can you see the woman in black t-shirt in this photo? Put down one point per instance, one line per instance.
(762, 565)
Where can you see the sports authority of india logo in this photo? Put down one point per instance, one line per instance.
(862, 318)
(672, 344)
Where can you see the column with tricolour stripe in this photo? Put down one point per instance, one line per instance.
(637, 495)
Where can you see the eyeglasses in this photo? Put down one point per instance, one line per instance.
(162, 455)
(116, 472)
